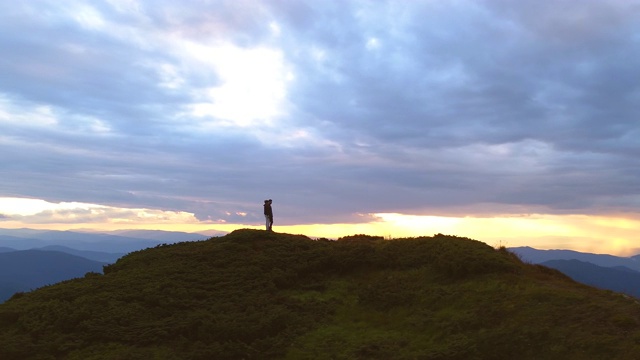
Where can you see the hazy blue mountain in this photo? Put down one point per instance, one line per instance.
(79, 241)
(24, 239)
(619, 279)
(625, 269)
(213, 233)
(91, 255)
(20, 243)
(8, 288)
(78, 236)
(26, 233)
(29, 269)
(536, 256)
(6, 249)
(165, 236)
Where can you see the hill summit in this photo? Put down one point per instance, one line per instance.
(259, 295)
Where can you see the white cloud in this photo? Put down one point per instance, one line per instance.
(126, 6)
(253, 85)
(38, 115)
(38, 211)
(87, 16)
(275, 28)
(373, 44)
(50, 118)
(23, 206)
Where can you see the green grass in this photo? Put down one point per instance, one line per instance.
(259, 295)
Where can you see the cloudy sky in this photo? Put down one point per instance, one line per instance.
(512, 122)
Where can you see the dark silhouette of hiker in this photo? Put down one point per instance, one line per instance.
(268, 214)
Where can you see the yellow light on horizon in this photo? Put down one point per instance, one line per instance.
(586, 233)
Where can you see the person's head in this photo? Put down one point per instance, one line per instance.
(267, 201)
(270, 201)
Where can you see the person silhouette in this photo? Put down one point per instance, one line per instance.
(268, 214)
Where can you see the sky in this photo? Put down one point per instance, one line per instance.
(512, 122)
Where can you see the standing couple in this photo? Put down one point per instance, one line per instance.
(268, 214)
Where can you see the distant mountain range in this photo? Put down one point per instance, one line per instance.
(26, 270)
(33, 258)
(620, 274)
(118, 242)
(536, 256)
(620, 279)
(101, 256)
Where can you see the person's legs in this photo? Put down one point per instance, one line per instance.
(270, 221)
(267, 222)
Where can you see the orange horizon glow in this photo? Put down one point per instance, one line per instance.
(584, 233)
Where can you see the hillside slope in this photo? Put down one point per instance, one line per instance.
(258, 295)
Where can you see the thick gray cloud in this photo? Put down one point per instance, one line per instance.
(467, 107)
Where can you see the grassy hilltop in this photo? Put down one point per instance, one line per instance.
(258, 295)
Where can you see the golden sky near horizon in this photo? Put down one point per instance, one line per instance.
(595, 234)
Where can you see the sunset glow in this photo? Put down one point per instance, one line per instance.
(598, 234)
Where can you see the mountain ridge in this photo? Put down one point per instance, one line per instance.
(258, 295)
(6, 249)
(101, 256)
(620, 279)
(538, 256)
(24, 239)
